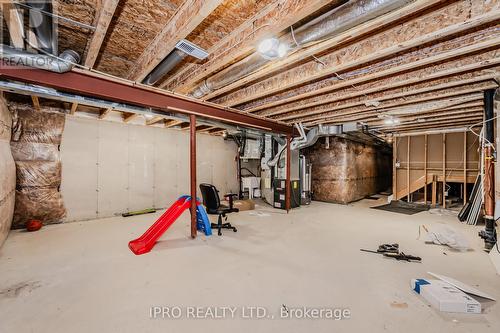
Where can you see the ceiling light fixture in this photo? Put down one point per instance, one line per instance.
(272, 48)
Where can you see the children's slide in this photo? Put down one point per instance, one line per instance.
(147, 241)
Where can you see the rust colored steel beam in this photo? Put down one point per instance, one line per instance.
(117, 90)
(192, 164)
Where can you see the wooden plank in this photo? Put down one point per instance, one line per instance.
(457, 96)
(173, 123)
(127, 117)
(105, 12)
(396, 70)
(266, 88)
(376, 24)
(440, 115)
(471, 104)
(281, 15)
(74, 106)
(356, 92)
(437, 123)
(185, 20)
(208, 129)
(154, 120)
(14, 21)
(36, 103)
(458, 85)
(103, 114)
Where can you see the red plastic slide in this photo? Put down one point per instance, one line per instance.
(145, 243)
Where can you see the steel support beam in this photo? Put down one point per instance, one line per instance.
(488, 234)
(117, 90)
(192, 164)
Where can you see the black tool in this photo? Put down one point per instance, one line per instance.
(392, 251)
(385, 248)
(402, 256)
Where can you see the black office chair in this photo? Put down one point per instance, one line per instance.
(212, 202)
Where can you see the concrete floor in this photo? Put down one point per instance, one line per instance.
(81, 277)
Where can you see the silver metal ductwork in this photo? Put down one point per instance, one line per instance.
(316, 132)
(182, 50)
(312, 136)
(64, 63)
(338, 20)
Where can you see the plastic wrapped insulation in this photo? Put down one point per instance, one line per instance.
(35, 148)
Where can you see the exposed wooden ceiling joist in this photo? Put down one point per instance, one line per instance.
(448, 99)
(105, 11)
(453, 103)
(439, 123)
(277, 16)
(74, 106)
(36, 103)
(154, 120)
(381, 93)
(422, 118)
(186, 19)
(400, 99)
(356, 33)
(353, 56)
(104, 113)
(424, 67)
(173, 123)
(379, 86)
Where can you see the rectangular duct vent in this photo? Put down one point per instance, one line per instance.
(191, 49)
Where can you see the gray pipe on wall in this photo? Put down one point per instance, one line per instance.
(338, 20)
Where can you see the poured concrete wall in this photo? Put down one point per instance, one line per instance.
(346, 171)
(7, 172)
(109, 168)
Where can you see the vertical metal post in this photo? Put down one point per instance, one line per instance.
(489, 173)
(425, 169)
(288, 182)
(192, 164)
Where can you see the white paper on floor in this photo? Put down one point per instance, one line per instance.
(259, 214)
(495, 257)
(446, 235)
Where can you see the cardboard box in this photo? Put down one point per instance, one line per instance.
(445, 297)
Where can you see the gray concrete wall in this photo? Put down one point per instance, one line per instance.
(109, 168)
(7, 172)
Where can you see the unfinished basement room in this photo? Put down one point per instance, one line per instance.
(249, 166)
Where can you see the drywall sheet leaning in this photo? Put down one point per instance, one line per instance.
(110, 168)
(7, 172)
